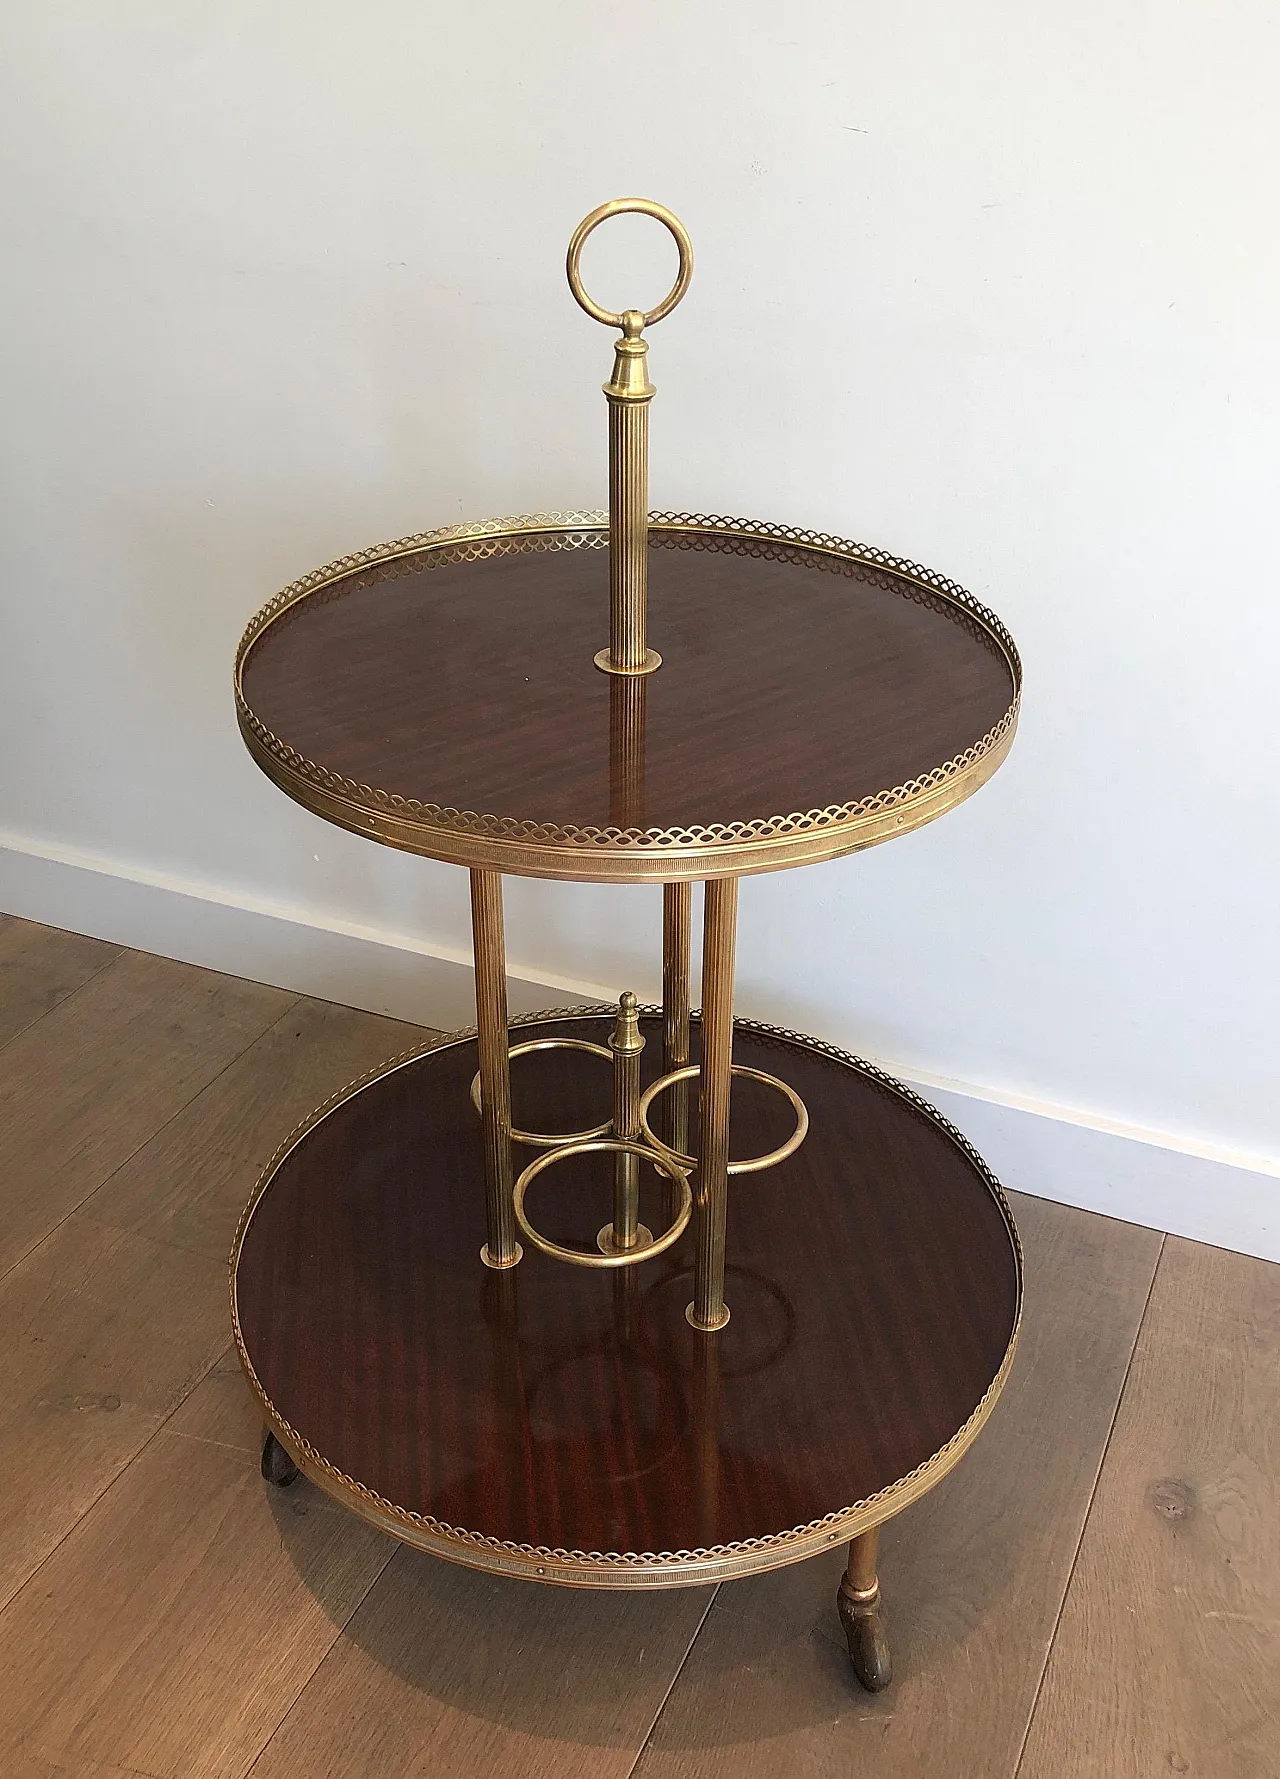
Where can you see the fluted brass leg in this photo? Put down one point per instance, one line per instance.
(859, 1604)
(719, 929)
(677, 910)
(705, 1427)
(501, 1249)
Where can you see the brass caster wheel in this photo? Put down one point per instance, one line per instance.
(864, 1629)
(278, 1468)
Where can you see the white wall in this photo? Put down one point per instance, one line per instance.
(285, 280)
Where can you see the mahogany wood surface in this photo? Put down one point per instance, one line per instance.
(789, 683)
(872, 1284)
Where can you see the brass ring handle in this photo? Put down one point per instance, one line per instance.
(622, 207)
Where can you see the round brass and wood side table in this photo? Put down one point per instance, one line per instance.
(628, 1296)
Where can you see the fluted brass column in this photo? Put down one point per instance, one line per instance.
(719, 933)
(677, 911)
(629, 394)
(627, 699)
(501, 1249)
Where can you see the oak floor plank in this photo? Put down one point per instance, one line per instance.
(222, 1409)
(101, 1335)
(190, 1182)
(35, 1766)
(86, 1085)
(439, 1650)
(41, 966)
(447, 1672)
(1167, 1657)
(973, 1575)
(171, 1631)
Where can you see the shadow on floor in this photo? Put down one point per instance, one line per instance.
(593, 1667)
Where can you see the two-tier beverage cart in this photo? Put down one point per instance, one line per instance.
(628, 1297)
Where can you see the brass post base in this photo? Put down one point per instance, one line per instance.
(604, 661)
(607, 1245)
(858, 1602)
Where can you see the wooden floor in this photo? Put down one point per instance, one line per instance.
(1094, 1591)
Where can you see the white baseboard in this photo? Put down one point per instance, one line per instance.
(1151, 1180)
(266, 941)
(1072, 1156)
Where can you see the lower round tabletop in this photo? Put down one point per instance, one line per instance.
(567, 1424)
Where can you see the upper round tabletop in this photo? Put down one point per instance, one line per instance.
(439, 694)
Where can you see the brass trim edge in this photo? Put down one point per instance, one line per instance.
(525, 847)
(628, 1569)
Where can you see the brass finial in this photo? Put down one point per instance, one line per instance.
(630, 380)
(626, 1031)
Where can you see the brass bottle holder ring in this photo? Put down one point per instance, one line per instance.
(646, 1147)
(617, 1257)
(534, 1139)
(755, 1164)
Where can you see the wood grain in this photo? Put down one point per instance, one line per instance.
(101, 1335)
(37, 1766)
(40, 966)
(222, 1409)
(445, 1673)
(189, 1184)
(89, 1083)
(170, 1632)
(973, 1575)
(1167, 1659)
